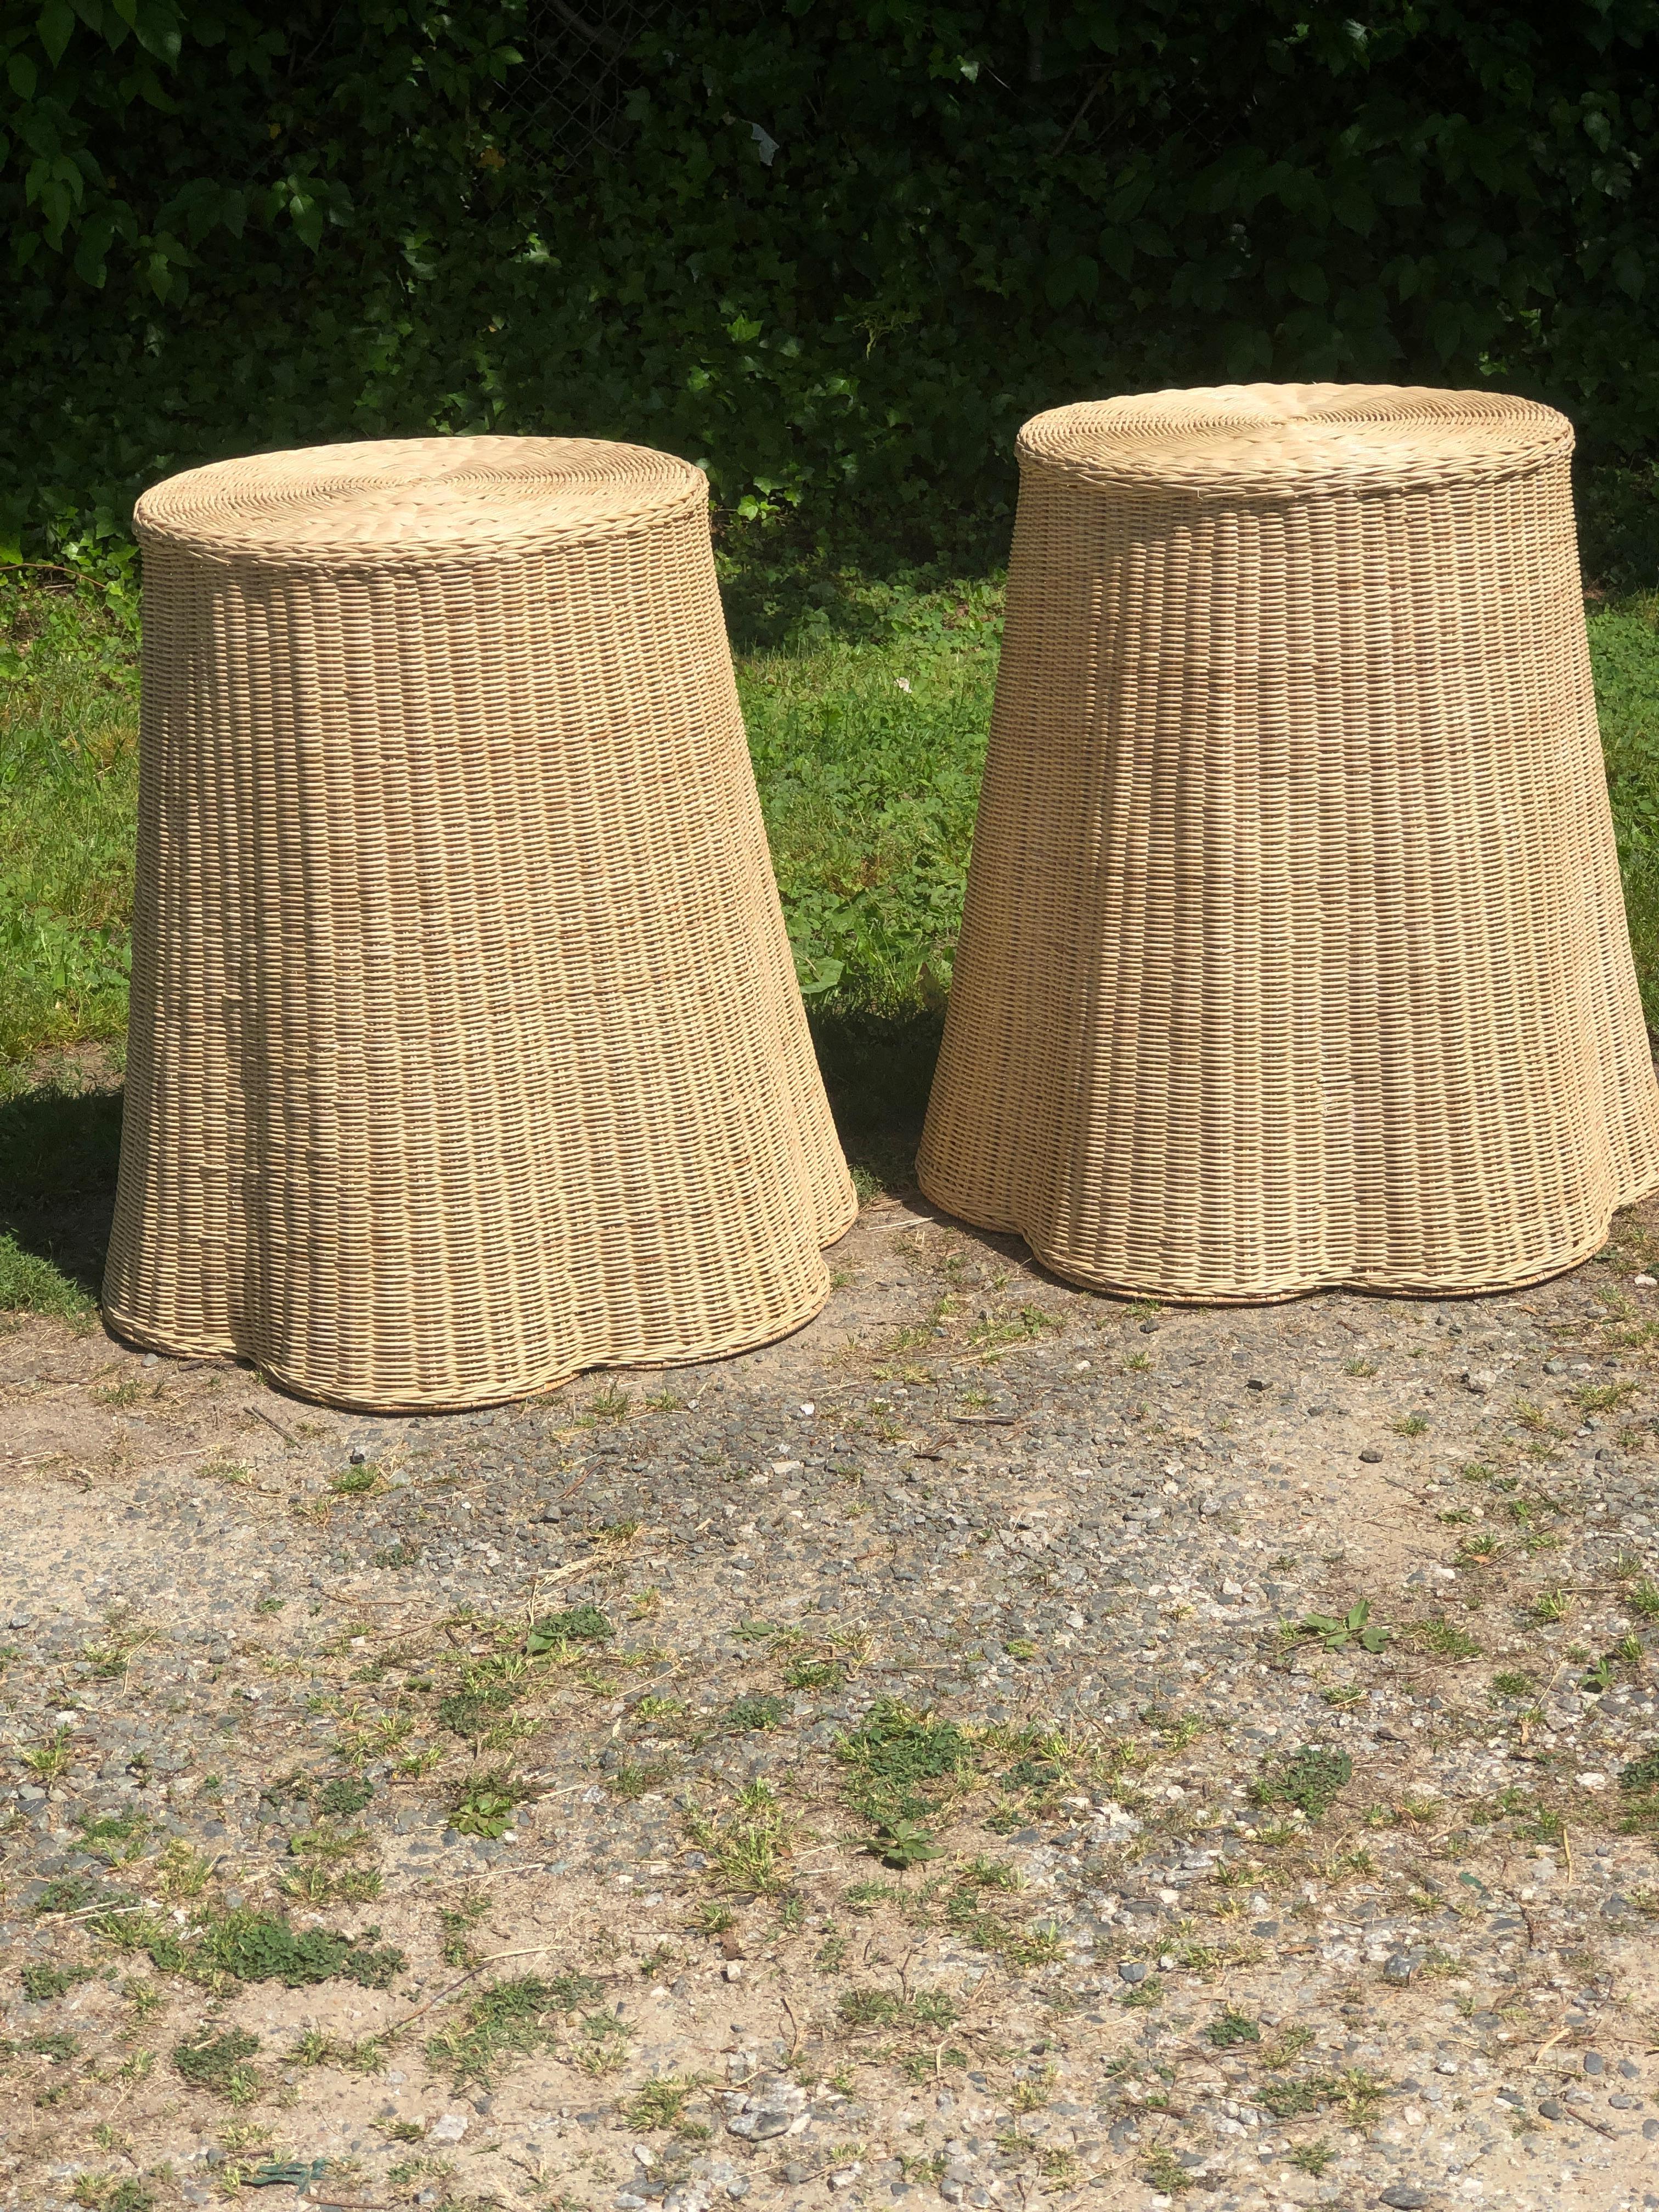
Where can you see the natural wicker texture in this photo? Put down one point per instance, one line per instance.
(466, 1047)
(1294, 952)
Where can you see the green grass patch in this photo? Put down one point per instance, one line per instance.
(219, 2063)
(1445, 1638)
(255, 1946)
(748, 1713)
(1639, 1781)
(69, 789)
(1309, 1782)
(512, 2020)
(581, 1624)
(31, 1284)
(42, 1982)
(900, 1762)
(1624, 641)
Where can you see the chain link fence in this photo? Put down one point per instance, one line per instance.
(570, 93)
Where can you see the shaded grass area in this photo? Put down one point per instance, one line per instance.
(867, 686)
(69, 782)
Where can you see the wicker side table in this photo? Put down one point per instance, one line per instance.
(466, 1047)
(1294, 951)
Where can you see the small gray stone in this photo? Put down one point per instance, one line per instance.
(1133, 1970)
(1371, 1458)
(1551, 2108)
(1405, 2196)
(1398, 1970)
(1593, 2063)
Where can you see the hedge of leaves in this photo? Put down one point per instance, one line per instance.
(833, 249)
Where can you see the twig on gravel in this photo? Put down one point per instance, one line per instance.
(260, 1414)
(794, 2027)
(91, 1911)
(987, 1420)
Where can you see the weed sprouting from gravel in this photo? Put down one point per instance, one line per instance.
(751, 1712)
(219, 2063)
(42, 1982)
(344, 1795)
(894, 1755)
(748, 1848)
(50, 1761)
(53, 2043)
(903, 1844)
(254, 1947)
(487, 1803)
(1445, 1638)
(580, 1624)
(1639, 1781)
(113, 2192)
(73, 1892)
(1308, 1783)
(661, 2104)
(363, 1481)
(512, 2020)
(1337, 1630)
(1164, 2171)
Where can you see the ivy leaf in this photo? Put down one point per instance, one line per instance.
(1353, 207)
(1307, 280)
(54, 27)
(1630, 271)
(155, 26)
(91, 247)
(1445, 327)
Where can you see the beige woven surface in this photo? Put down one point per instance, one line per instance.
(1294, 950)
(467, 1050)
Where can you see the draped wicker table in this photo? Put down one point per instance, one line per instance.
(466, 1046)
(1294, 950)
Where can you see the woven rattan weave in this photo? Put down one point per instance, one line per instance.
(1294, 952)
(466, 1047)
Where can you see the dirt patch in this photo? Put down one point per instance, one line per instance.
(1001, 1744)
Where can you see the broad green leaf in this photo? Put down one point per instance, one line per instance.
(56, 26)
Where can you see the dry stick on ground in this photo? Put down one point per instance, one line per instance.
(260, 1414)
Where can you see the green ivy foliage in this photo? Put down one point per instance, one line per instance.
(835, 250)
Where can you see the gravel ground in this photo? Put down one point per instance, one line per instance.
(897, 1766)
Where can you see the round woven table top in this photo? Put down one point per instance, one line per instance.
(1273, 440)
(417, 498)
